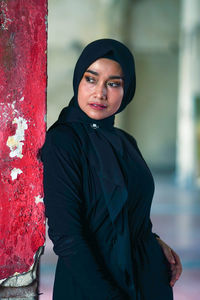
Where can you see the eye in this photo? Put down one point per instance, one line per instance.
(90, 79)
(114, 84)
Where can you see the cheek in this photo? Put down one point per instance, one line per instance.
(84, 90)
(82, 93)
(117, 97)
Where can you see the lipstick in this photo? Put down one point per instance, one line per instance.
(97, 106)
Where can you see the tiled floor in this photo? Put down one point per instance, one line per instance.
(176, 218)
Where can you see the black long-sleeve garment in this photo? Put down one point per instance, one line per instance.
(88, 246)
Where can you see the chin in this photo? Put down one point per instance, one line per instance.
(96, 116)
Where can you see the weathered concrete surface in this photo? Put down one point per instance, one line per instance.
(22, 130)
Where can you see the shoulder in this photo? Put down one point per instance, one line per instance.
(131, 139)
(64, 137)
(127, 135)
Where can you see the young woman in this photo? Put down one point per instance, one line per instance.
(98, 190)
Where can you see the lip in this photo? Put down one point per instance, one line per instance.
(97, 106)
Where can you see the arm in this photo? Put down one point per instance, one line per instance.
(136, 147)
(63, 204)
(171, 255)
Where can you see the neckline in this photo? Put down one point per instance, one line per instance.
(76, 114)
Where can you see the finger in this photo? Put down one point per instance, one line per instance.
(178, 272)
(177, 258)
(173, 281)
(169, 255)
(172, 258)
(173, 266)
(175, 274)
(178, 263)
(173, 271)
(173, 278)
(172, 284)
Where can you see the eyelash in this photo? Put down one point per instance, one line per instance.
(111, 83)
(114, 84)
(89, 79)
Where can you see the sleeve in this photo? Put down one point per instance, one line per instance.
(63, 207)
(155, 234)
(137, 148)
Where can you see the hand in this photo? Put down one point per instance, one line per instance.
(173, 259)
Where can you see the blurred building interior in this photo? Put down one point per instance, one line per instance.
(164, 38)
(164, 115)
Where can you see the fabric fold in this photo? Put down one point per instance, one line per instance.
(105, 154)
(104, 151)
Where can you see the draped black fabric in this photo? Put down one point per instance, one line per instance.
(103, 154)
(105, 149)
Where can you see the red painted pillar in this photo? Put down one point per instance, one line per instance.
(23, 44)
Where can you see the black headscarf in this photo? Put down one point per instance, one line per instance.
(111, 49)
(101, 143)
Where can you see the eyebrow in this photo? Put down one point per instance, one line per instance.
(110, 77)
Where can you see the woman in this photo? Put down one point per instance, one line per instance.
(98, 190)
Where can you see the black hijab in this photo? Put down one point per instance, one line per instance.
(111, 49)
(101, 142)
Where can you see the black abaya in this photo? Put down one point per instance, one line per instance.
(81, 229)
(97, 193)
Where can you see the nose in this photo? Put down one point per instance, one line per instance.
(101, 91)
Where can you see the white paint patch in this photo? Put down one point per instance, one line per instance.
(38, 199)
(5, 115)
(25, 278)
(13, 104)
(14, 111)
(15, 172)
(5, 20)
(14, 142)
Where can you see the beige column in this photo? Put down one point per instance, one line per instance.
(114, 22)
(189, 84)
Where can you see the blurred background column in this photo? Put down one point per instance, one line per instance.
(114, 17)
(187, 169)
(114, 21)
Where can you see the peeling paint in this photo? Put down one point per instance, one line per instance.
(23, 82)
(38, 199)
(14, 142)
(24, 278)
(4, 20)
(15, 172)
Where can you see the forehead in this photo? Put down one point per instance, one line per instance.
(106, 66)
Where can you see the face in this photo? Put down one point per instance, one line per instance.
(101, 89)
